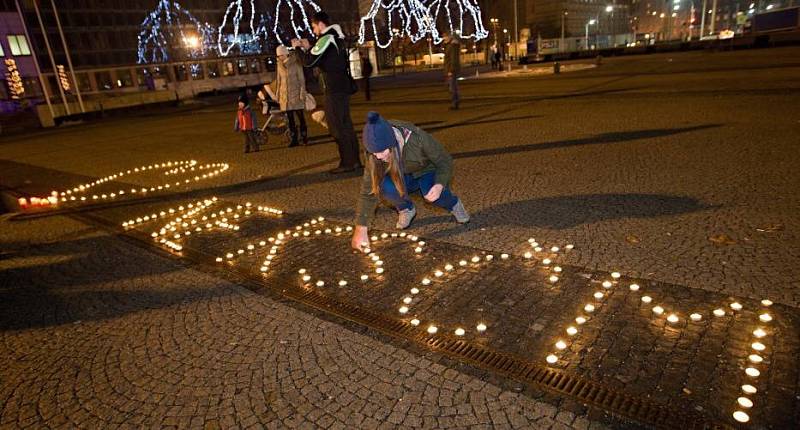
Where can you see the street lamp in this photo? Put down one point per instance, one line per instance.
(610, 9)
(563, 17)
(588, 23)
(505, 41)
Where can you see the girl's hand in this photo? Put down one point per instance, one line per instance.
(360, 239)
(434, 193)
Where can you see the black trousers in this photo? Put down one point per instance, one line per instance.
(367, 94)
(290, 114)
(250, 140)
(340, 125)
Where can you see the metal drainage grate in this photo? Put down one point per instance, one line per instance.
(591, 393)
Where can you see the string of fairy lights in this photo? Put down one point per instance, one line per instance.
(199, 216)
(170, 30)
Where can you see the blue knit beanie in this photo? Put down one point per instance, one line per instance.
(378, 134)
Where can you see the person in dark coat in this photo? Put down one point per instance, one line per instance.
(452, 68)
(366, 72)
(330, 55)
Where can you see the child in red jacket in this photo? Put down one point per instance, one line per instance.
(247, 123)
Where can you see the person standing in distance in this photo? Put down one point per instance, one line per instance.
(330, 55)
(452, 68)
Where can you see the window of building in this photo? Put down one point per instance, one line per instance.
(18, 44)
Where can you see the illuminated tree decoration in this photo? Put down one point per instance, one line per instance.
(170, 28)
(298, 11)
(417, 19)
(411, 18)
(15, 87)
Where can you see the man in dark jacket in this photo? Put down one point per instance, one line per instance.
(329, 54)
(452, 67)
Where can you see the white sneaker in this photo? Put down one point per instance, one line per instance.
(405, 217)
(458, 211)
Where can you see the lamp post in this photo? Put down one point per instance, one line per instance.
(505, 42)
(563, 17)
(610, 9)
(588, 23)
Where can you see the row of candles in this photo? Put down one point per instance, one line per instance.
(79, 193)
(314, 227)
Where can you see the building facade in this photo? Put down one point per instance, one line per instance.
(549, 18)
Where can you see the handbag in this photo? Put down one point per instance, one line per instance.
(311, 102)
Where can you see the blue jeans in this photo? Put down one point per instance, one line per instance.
(423, 184)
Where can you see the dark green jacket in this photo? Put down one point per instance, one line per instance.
(421, 154)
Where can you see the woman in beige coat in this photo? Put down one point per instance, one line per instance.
(290, 85)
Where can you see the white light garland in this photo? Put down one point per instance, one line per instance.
(299, 22)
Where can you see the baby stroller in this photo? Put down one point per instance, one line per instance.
(276, 121)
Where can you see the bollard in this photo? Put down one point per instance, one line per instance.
(556, 68)
(599, 60)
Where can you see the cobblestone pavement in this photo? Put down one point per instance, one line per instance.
(676, 170)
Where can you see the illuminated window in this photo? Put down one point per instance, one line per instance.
(19, 45)
(2, 53)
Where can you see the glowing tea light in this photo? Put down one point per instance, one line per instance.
(531, 241)
(553, 278)
(481, 327)
(755, 358)
(302, 271)
(759, 333)
(407, 300)
(758, 346)
(426, 281)
(415, 290)
(561, 344)
(580, 320)
(459, 332)
(403, 309)
(634, 287)
(572, 331)
(438, 274)
(589, 308)
(696, 317)
(719, 313)
(342, 283)
(489, 257)
(306, 278)
(736, 306)
(414, 322)
(462, 263)
(551, 359)
(504, 256)
(538, 249)
(379, 270)
(448, 267)
(752, 372)
(555, 249)
(320, 283)
(744, 402)
(476, 259)
(658, 310)
(557, 269)
(432, 329)
(749, 389)
(607, 284)
(765, 317)
(418, 250)
(741, 417)
(766, 302)
(364, 277)
(546, 261)
(647, 299)
(615, 275)
(598, 295)
(673, 318)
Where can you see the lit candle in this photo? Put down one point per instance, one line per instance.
(672, 318)
(418, 250)
(504, 256)
(528, 255)
(481, 327)
(647, 299)
(364, 277)
(415, 291)
(551, 359)
(607, 284)
(320, 283)
(755, 358)
(759, 332)
(634, 287)
(415, 322)
(572, 331)
(696, 317)
(547, 261)
(462, 263)
(403, 309)
(531, 241)
(758, 346)
(426, 281)
(736, 306)
(432, 329)
(342, 283)
(570, 246)
(561, 344)
(553, 278)
(615, 275)
(407, 300)
(741, 417)
(719, 312)
(749, 389)
(538, 249)
(448, 267)
(765, 317)
(438, 273)
(557, 269)
(598, 295)
(379, 270)
(752, 372)
(476, 259)
(766, 302)
(744, 402)
(459, 331)
(580, 320)
(554, 249)
(589, 308)
(658, 310)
